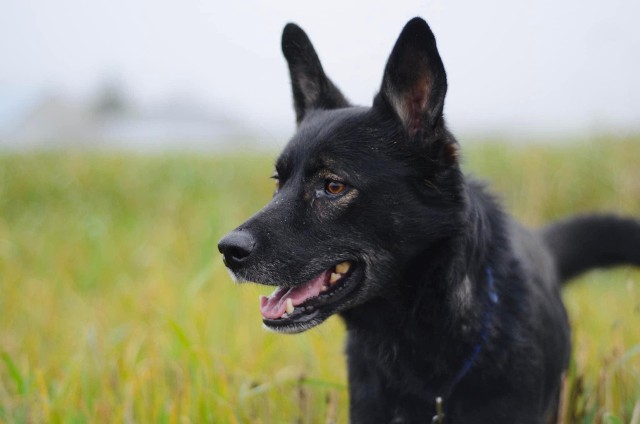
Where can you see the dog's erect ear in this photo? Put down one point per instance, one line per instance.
(415, 83)
(311, 87)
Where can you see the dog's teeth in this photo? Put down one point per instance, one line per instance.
(334, 277)
(290, 306)
(324, 289)
(343, 268)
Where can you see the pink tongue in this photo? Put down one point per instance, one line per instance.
(273, 307)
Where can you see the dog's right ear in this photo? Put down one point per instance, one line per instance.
(415, 83)
(311, 87)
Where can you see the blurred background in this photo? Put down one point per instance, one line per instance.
(165, 74)
(134, 134)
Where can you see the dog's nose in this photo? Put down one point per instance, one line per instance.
(236, 247)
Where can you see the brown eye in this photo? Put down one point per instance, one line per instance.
(334, 187)
(276, 178)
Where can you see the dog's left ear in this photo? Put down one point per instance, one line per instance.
(312, 89)
(415, 83)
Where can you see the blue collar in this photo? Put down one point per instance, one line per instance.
(493, 300)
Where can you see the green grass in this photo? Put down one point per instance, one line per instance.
(115, 305)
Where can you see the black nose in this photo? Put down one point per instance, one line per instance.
(236, 247)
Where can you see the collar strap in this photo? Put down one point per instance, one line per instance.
(493, 301)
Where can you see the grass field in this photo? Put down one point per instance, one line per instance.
(115, 305)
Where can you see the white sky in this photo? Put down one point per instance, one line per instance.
(515, 67)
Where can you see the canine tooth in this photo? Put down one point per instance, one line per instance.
(334, 277)
(324, 289)
(343, 268)
(290, 306)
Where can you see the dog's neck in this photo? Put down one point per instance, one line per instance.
(442, 298)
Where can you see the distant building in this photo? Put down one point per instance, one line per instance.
(111, 121)
(51, 121)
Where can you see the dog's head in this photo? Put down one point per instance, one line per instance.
(362, 192)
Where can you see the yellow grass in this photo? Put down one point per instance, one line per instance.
(115, 306)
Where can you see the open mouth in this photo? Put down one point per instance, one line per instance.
(293, 309)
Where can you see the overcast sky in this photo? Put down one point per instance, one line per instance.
(516, 68)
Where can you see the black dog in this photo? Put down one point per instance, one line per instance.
(443, 295)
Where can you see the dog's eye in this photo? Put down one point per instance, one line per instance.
(334, 187)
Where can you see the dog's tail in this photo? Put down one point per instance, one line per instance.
(591, 241)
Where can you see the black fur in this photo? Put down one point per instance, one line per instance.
(447, 296)
(572, 241)
(311, 87)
